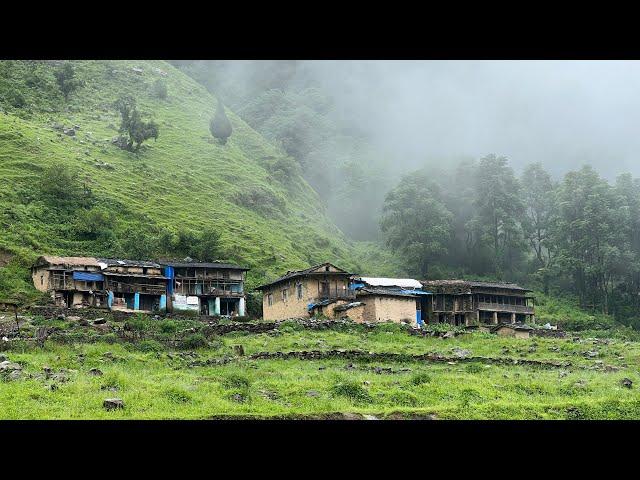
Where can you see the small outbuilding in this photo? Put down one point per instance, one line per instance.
(513, 330)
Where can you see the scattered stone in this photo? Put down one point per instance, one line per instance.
(113, 403)
(3, 358)
(313, 393)
(591, 354)
(626, 382)
(563, 373)
(96, 372)
(83, 322)
(351, 416)
(99, 321)
(137, 70)
(366, 382)
(448, 335)
(461, 353)
(69, 132)
(350, 366)
(7, 366)
(370, 417)
(237, 397)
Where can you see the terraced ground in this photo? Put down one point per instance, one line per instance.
(164, 369)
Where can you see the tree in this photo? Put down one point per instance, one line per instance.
(498, 209)
(65, 77)
(591, 235)
(159, 89)
(132, 124)
(538, 194)
(416, 222)
(220, 126)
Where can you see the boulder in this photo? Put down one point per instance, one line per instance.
(113, 403)
(99, 321)
(96, 372)
(626, 382)
(238, 350)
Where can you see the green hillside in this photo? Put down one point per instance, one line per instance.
(183, 183)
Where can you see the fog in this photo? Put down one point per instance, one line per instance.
(405, 115)
(560, 113)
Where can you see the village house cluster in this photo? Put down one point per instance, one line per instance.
(217, 288)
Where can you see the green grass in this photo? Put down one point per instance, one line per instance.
(185, 179)
(163, 383)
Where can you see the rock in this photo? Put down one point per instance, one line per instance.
(366, 382)
(99, 321)
(137, 70)
(113, 403)
(626, 382)
(83, 322)
(7, 366)
(591, 354)
(448, 335)
(313, 393)
(237, 397)
(73, 318)
(16, 374)
(69, 132)
(3, 358)
(370, 417)
(96, 372)
(461, 353)
(238, 350)
(351, 416)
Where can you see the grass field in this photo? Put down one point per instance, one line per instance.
(583, 380)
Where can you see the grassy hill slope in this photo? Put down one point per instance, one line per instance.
(252, 194)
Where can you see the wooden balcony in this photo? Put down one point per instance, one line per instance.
(505, 307)
(145, 288)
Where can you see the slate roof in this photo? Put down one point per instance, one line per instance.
(67, 261)
(469, 284)
(128, 263)
(306, 271)
(221, 265)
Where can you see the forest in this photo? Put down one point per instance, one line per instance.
(578, 236)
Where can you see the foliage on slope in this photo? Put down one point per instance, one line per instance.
(247, 191)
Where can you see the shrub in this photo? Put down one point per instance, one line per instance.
(177, 395)
(420, 379)
(473, 368)
(236, 381)
(352, 390)
(193, 341)
(168, 326)
(149, 346)
(159, 89)
(399, 397)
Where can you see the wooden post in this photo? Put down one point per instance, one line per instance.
(495, 318)
(513, 318)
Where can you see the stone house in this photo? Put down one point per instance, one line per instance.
(71, 281)
(134, 285)
(300, 293)
(212, 288)
(513, 330)
(462, 302)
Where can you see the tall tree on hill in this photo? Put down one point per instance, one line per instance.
(498, 209)
(538, 196)
(66, 79)
(133, 126)
(592, 236)
(220, 126)
(416, 222)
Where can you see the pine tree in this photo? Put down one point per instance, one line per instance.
(220, 126)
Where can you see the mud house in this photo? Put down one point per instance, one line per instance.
(462, 302)
(71, 281)
(213, 288)
(386, 300)
(133, 285)
(301, 293)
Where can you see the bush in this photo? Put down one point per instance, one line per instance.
(399, 397)
(193, 341)
(420, 379)
(168, 326)
(177, 395)
(351, 390)
(149, 346)
(159, 89)
(65, 76)
(15, 98)
(236, 381)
